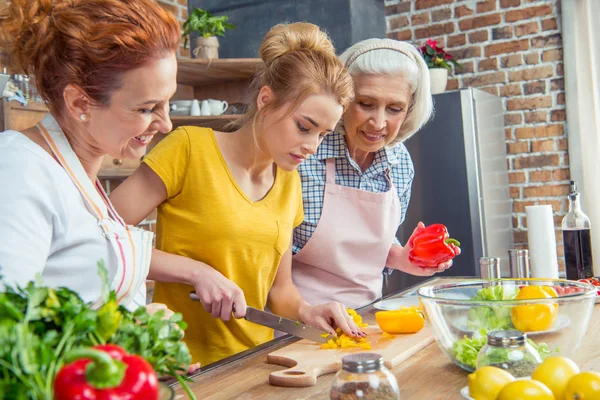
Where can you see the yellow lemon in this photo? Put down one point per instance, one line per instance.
(555, 372)
(526, 389)
(583, 386)
(486, 382)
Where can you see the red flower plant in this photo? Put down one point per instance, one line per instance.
(436, 57)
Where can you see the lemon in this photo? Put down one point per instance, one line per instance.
(526, 389)
(486, 382)
(583, 386)
(555, 373)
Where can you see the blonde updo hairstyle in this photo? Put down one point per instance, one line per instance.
(394, 57)
(299, 61)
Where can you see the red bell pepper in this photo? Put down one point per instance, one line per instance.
(432, 246)
(105, 372)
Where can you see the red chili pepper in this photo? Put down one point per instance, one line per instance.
(431, 246)
(105, 373)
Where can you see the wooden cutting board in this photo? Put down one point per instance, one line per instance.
(307, 361)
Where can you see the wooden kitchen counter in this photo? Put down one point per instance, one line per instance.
(427, 375)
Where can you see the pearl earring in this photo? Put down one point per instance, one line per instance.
(83, 117)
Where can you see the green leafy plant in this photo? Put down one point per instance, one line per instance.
(205, 24)
(38, 325)
(436, 57)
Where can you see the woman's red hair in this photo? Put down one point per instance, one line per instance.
(86, 43)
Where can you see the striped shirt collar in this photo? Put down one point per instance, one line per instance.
(334, 146)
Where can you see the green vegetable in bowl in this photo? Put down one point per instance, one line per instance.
(465, 350)
(491, 317)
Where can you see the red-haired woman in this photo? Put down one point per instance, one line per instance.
(106, 70)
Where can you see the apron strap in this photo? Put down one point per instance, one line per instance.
(111, 210)
(67, 158)
(330, 171)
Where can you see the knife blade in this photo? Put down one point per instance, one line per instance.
(278, 323)
(282, 324)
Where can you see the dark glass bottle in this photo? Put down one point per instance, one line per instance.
(577, 239)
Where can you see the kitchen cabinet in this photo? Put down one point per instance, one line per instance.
(18, 117)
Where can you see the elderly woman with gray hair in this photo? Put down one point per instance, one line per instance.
(356, 187)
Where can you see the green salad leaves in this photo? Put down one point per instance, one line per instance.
(491, 317)
(482, 319)
(38, 325)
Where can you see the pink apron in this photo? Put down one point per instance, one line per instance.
(133, 246)
(345, 256)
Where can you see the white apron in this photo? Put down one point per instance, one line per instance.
(132, 246)
(345, 256)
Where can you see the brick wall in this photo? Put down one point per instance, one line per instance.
(513, 49)
(179, 8)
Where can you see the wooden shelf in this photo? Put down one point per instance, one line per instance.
(198, 72)
(31, 106)
(115, 173)
(213, 121)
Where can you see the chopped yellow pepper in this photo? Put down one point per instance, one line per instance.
(534, 317)
(343, 341)
(403, 320)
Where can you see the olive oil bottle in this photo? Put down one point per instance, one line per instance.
(577, 239)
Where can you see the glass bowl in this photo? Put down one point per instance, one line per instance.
(461, 313)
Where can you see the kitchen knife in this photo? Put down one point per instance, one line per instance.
(278, 323)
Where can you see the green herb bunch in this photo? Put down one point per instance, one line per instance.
(205, 24)
(38, 325)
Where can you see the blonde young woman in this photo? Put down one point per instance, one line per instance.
(228, 202)
(356, 187)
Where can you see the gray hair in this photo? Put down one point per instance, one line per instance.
(389, 56)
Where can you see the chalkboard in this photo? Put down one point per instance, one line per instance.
(346, 21)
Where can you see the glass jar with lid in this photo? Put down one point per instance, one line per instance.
(363, 376)
(510, 351)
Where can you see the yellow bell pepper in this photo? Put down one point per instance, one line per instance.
(343, 341)
(404, 320)
(534, 317)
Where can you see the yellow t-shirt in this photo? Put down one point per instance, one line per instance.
(207, 217)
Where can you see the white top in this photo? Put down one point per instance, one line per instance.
(45, 227)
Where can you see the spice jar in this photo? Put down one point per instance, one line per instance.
(364, 377)
(510, 351)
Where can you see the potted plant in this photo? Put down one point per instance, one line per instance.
(208, 28)
(439, 63)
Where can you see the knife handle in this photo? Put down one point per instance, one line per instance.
(195, 297)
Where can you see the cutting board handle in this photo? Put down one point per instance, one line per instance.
(298, 375)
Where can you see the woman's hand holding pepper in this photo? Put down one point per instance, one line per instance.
(398, 259)
(328, 317)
